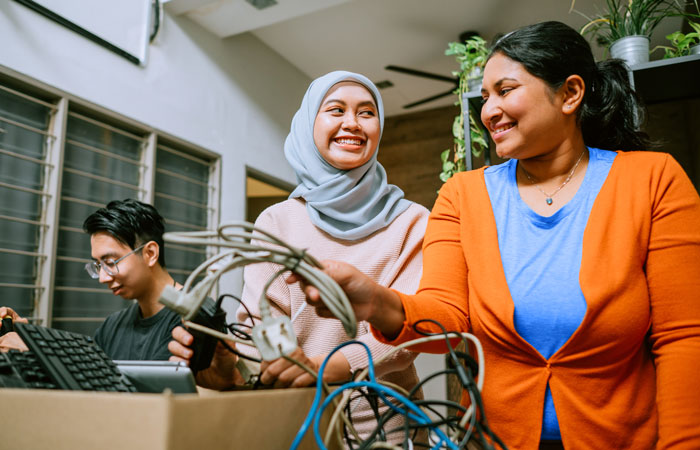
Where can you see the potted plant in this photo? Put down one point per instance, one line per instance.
(471, 56)
(683, 44)
(626, 26)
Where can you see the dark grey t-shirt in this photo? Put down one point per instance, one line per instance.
(125, 335)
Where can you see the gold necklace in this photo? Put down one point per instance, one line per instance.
(548, 197)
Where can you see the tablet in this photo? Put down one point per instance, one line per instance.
(157, 376)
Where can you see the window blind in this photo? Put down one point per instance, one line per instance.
(182, 193)
(101, 163)
(24, 134)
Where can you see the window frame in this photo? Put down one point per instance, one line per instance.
(62, 105)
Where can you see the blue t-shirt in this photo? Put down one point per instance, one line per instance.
(542, 258)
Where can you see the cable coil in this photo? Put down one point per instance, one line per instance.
(237, 236)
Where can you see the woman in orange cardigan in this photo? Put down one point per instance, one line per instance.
(578, 268)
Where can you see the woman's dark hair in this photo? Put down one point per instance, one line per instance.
(611, 112)
(130, 222)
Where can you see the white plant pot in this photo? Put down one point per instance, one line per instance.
(695, 49)
(474, 84)
(474, 79)
(633, 50)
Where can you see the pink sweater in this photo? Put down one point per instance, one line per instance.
(391, 256)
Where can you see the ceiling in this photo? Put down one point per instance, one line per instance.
(318, 36)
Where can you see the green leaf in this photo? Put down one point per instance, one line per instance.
(461, 165)
(481, 142)
(695, 26)
(444, 155)
(674, 36)
(458, 127)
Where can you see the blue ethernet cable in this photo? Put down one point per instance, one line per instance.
(315, 413)
(421, 418)
(319, 390)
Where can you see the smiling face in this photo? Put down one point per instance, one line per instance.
(134, 276)
(524, 116)
(346, 129)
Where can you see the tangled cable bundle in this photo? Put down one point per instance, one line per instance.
(454, 431)
(237, 237)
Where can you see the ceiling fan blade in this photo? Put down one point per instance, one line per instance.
(420, 73)
(429, 99)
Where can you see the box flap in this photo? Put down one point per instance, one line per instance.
(73, 420)
(263, 419)
(70, 420)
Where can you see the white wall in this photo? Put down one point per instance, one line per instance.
(235, 96)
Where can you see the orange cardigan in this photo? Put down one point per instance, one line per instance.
(629, 377)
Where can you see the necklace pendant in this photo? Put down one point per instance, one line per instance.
(549, 200)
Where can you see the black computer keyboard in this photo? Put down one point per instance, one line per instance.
(22, 370)
(60, 359)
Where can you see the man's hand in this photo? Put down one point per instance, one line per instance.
(12, 340)
(6, 311)
(220, 375)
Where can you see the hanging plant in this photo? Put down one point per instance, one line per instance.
(471, 56)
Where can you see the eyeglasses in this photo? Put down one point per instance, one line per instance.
(110, 266)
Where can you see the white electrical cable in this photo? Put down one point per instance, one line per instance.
(235, 237)
(236, 250)
(298, 313)
(217, 334)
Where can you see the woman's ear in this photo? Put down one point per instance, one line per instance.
(573, 89)
(151, 253)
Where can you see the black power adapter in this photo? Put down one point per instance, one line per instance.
(212, 316)
(7, 325)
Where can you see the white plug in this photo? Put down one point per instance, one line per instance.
(175, 300)
(186, 304)
(274, 337)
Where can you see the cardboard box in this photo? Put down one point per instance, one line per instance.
(76, 420)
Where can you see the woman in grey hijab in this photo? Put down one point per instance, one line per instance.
(343, 208)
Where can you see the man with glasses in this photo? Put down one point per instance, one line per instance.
(126, 239)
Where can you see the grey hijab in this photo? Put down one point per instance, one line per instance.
(347, 204)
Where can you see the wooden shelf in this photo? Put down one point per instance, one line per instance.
(668, 79)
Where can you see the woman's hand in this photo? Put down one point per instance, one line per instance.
(282, 373)
(221, 373)
(359, 288)
(370, 301)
